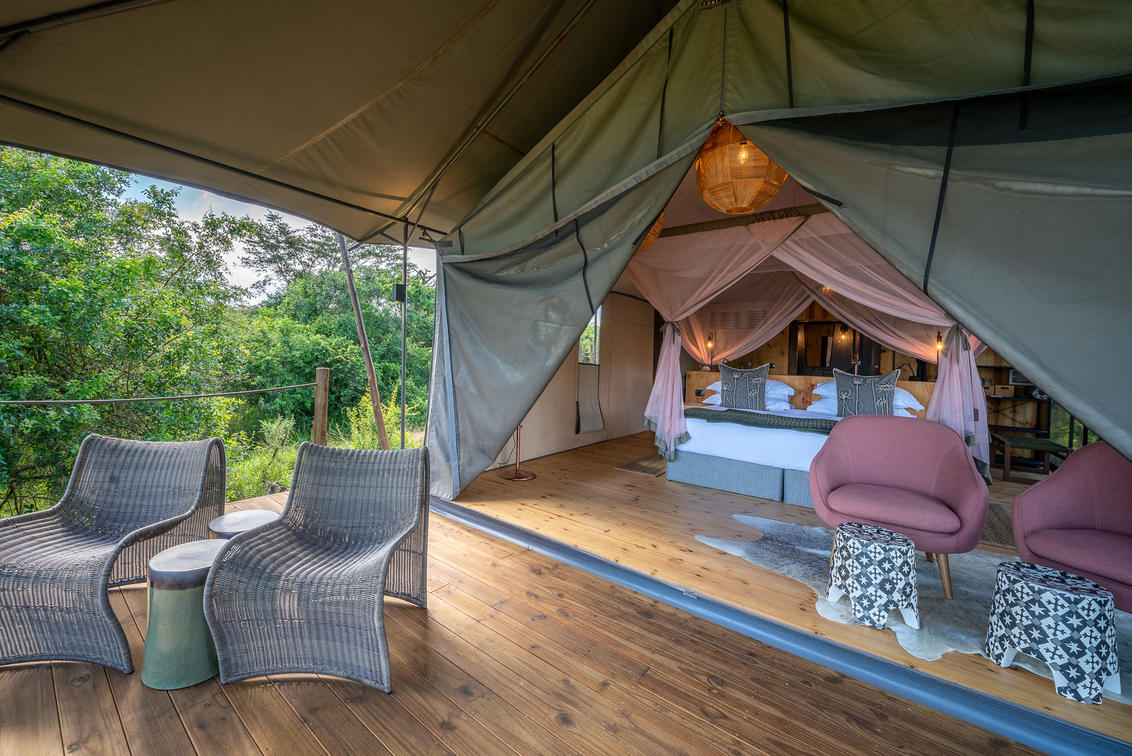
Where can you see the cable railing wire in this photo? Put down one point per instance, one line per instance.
(50, 402)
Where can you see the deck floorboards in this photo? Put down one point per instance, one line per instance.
(649, 525)
(517, 654)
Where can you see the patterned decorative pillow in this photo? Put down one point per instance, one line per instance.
(865, 394)
(744, 389)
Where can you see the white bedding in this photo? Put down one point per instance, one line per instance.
(773, 447)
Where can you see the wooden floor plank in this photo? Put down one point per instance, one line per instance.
(671, 710)
(548, 693)
(212, 724)
(649, 525)
(273, 724)
(335, 726)
(447, 722)
(88, 716)
(149, 719)
(468, 689)
(29, 718)
(383, 714)
(735, 686)
(517, 654)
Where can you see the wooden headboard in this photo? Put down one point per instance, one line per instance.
(803, 386)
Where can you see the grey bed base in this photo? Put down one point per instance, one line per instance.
(774, 483)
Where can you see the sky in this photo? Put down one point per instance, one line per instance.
(193, 204)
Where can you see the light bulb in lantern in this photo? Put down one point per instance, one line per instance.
(733, 175)
(938, 341)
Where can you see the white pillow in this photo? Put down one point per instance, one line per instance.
(901, 399)
(828, 388)
(717, 386)
(773, 403)
(826, 405)
(778, 389)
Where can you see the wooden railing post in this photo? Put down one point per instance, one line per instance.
(321, 404)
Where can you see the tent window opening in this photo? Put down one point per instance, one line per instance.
(589, 345)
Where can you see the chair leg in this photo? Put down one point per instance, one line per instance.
(929, 556)
(944, 574)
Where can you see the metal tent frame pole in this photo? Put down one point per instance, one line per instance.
(404, 321)
(375, 397)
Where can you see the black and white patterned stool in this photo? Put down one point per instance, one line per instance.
(1060, 619)
(877, 568)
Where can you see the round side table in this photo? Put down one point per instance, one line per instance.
(1060, 619)
(234, 523)
(877, 568)
(179, 651)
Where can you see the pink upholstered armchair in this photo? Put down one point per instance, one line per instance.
(1079, 519)
(912, 476)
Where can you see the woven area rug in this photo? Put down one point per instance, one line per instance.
(652, 466)
(999, 529)
(802, 553)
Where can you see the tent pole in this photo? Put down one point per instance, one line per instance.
(375, 398)
(404, 321)
(801, 211)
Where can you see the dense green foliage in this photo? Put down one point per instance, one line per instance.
(103, 296)
(309, 322)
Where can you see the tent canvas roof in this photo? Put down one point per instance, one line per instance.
(342, 112)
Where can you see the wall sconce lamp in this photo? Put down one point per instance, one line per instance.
(938, 341)
(711, 348)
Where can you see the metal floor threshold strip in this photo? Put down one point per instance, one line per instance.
(1018, 723)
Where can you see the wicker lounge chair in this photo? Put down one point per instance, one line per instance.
(304, 594)
(126, 501)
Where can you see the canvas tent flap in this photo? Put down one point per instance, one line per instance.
(505, 324)
(1029, 253)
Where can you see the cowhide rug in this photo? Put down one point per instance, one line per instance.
(802, 553)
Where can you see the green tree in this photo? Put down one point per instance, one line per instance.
(316, 298)
(280, 351)
(283, 253)
(102, 297)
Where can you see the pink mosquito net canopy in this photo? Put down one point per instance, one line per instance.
(744, 284)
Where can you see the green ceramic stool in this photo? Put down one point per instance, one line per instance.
(179, 651)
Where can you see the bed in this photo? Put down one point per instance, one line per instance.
(726, 451)
(768, 462)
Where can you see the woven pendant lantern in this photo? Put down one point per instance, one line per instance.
(733, 175)
(651, 236)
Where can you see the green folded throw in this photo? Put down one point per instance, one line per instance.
(821, 425)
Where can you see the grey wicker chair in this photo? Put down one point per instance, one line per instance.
(305, 593)
(126, 501)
